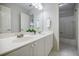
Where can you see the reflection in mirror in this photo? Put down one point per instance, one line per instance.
(5, 19)
(23, 17)
(33, 20)
(25, 21)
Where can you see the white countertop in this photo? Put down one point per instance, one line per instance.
(12, 43)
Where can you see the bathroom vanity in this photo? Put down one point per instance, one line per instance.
(28, 45)
(14, 39)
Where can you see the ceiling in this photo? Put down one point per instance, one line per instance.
(67, 9)
(27, 6)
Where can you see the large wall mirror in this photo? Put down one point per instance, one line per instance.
(18, 17)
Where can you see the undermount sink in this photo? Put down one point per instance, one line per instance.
(23, 39)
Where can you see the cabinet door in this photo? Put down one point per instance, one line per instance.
(38, 49)
(48, 44)
(51, 41)
(24, 51)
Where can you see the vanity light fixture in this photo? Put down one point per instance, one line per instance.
(62, 4)
(38, 5)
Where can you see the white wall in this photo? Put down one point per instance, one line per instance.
(77, 25)
(53, 11)
(67, 26)
(50, 10)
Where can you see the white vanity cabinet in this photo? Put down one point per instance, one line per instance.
(43, 46)
(33, 49)
(48, 44)
(24, 51)
(40, 47)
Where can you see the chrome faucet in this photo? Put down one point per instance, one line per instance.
(19, 35)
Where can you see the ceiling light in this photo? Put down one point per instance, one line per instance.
(62, 4)
(38, 5)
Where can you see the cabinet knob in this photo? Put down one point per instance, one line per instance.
(33, 45)
(8, 29)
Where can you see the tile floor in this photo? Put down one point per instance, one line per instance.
(65, 50)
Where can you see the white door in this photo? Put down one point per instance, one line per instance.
(5, 19)
(25, 21)
(67, 26)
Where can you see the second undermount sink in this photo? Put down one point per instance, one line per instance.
(24, 39)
